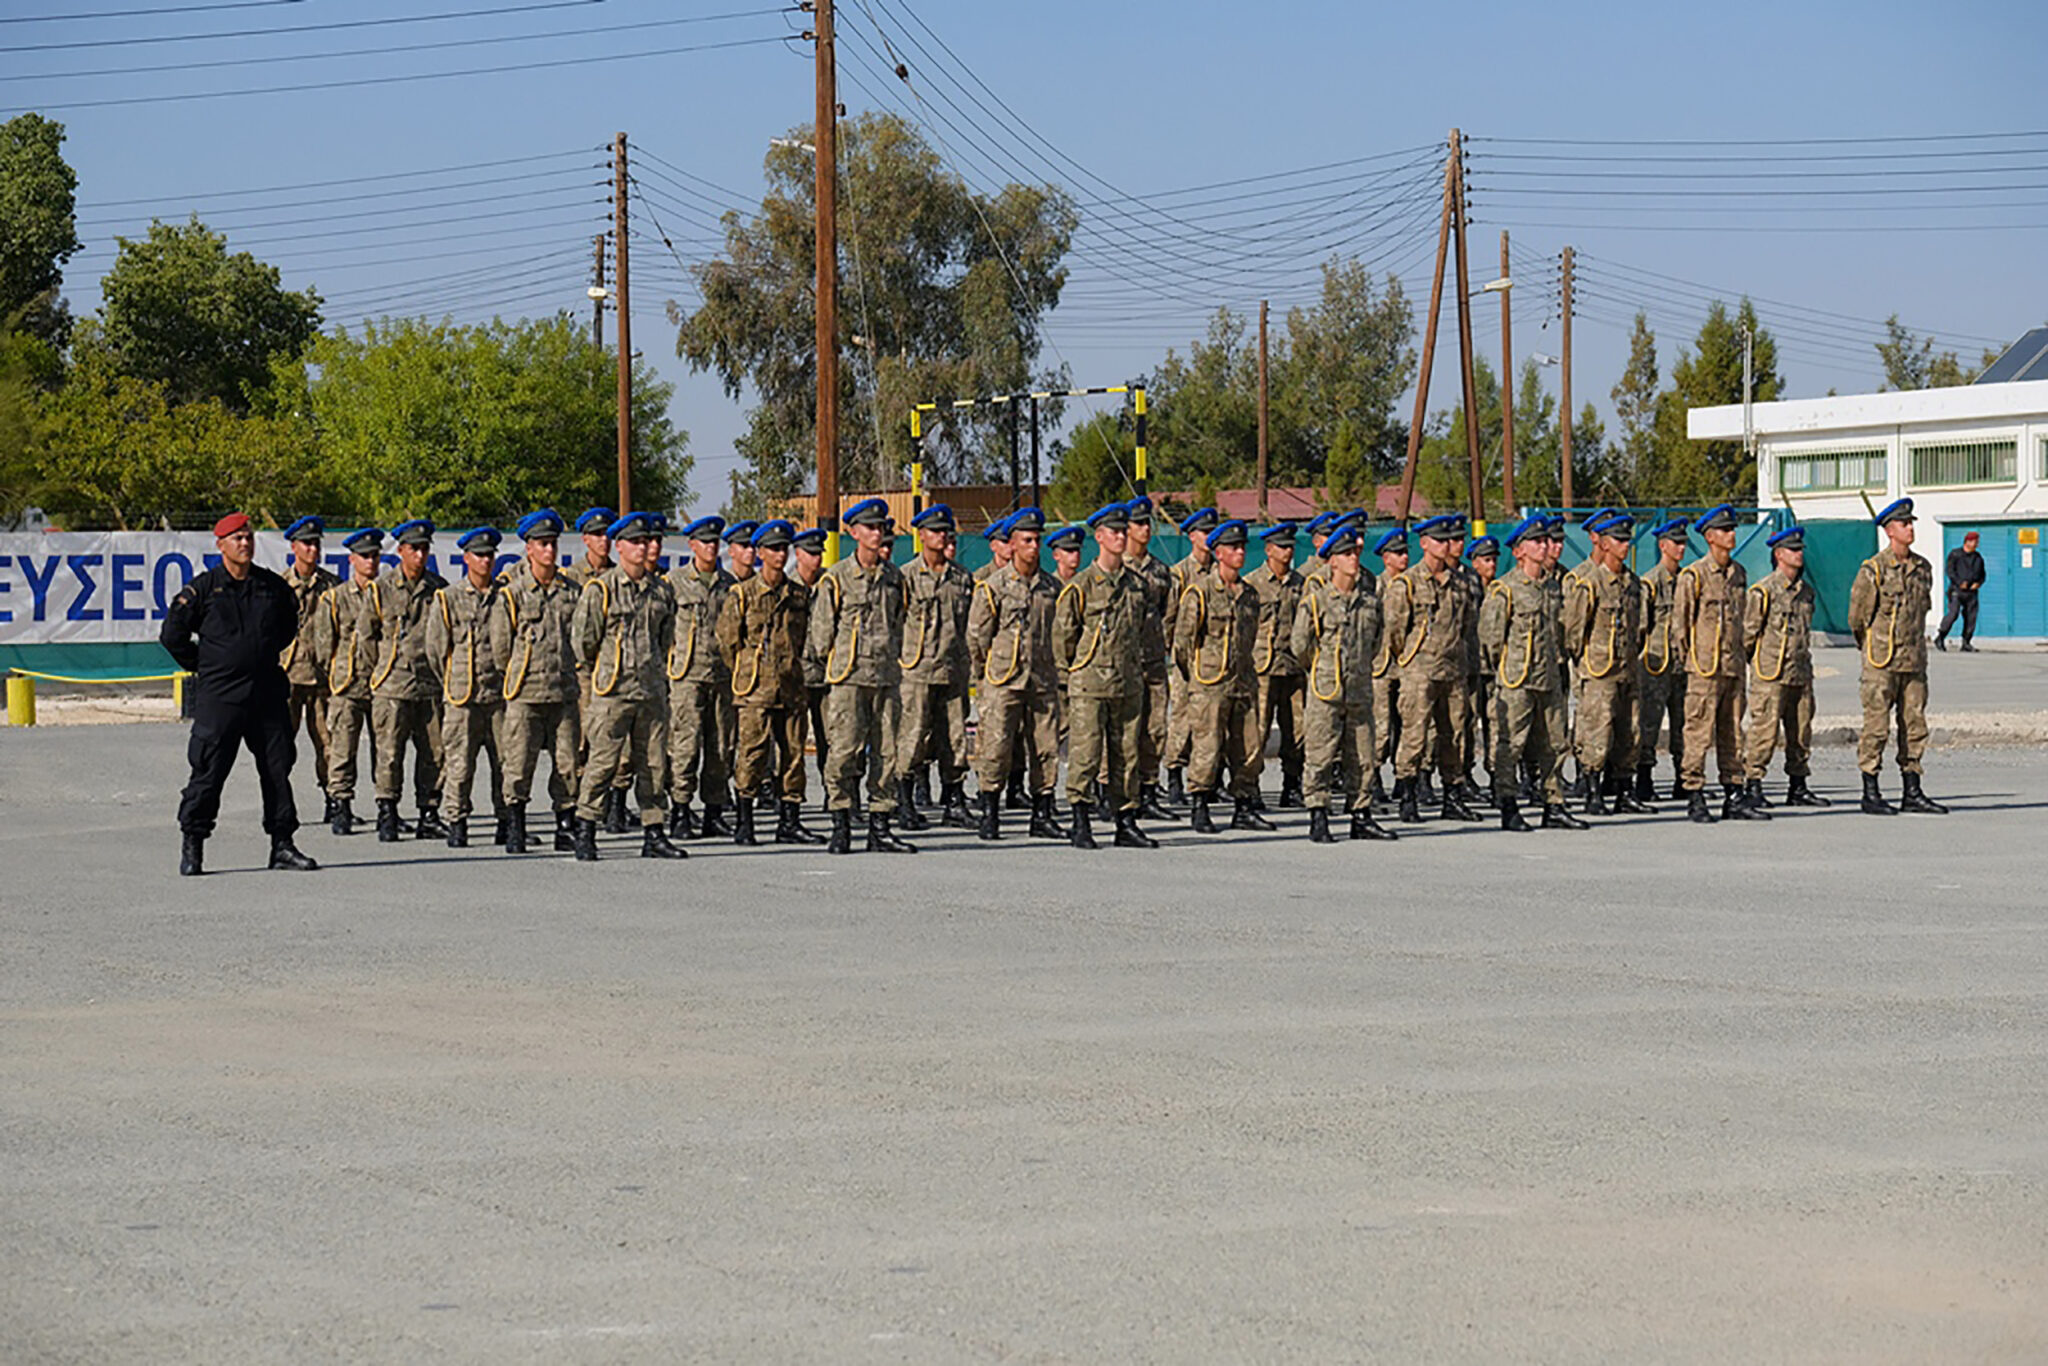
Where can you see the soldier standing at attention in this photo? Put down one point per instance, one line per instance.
(739, 549)
(308, 579)
(1335, 635)
(1483, 557)
(531, 629)
(1218, 628)
(1157, 577)
(807, 554)
(1425, 611)
(625, 623)
(1097, 622)
(857, 625)
(762, 626)
(1392, 549)
(345, 650)
(1777, 626)
(405, 702)
(1065, 545)
(1888, 607)
(935, 667)
(700, 715)
(1009, 643)
(1317, 529)
(595, 526)
(1278, 586)
(1603, 636)
(1196, 527)
(1519, 633)
(230, 627)
(1661, 672)
(997, 534)
(1706, 627)
(459, 653)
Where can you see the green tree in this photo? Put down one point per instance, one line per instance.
(1205, 408)
(178, 309)
(38, 226)
(945, 288)
(1092, 466)
(1635, 406)
(1911, 362)
(480, 423)
(1710, 375)
(1347, 472)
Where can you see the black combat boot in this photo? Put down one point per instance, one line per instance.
(1580, 785)
(458, 833)
(990, 826)
(1176, 787)
(1199, 820)
(1797, 793)
(1696, 809)
(343, 821)
(387, 821)
(655, 843)
(791, 828)
(1916, 801)
(615, 811)
(1244, 815)
(714, 826)
(1082, 837)
(1646, 783)
(1364, 827)
(682, 822)
(515, 828)
(429, 825)
(1560, 817)
(907, 814)
(1678, 792)
(327, 811)
(1319, 826)
(1511, 817)
(1014, 796)
(922, 789)
(1411, 804)
(1753, 793)
(1454, 807)
(586, 841)
(881, 840)
(1735, 806)
(1874, 803)
(192, 855)
(1628, 800)
(565, 829)
(743, 823)
(1128, 835)
(498, 825)
(1425, 789)
(1596, 797)
(285, 856)
(1044, 823)
(1149, 805)
(842, 833)
(1290, 793)
(953, 806)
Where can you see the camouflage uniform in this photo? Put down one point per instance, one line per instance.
(531, 633)
(1478, 721)
(934, 665)
(1009, 640)
(1888, 606)
(1216, 634)
(301, 667)
(1157, 577)
(1425, 618)
(857, 627)
(1098, 625)
(1778, 630)
(762, 630)
(1603, 636)
(345, 650)
(580, 574)
(404, 700)
(700, 700)
(1178, 735)
(1661, 676)
(1706, 630)
(622, 633)
(472, 690)
(1335, 637)
(1520, 636)
(1386, 686)
(1280, 687)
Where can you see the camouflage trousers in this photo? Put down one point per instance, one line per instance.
(700, 740)
(1386, 718)
(861, 732)
(623, 778)
(1478, 740)
(1431, 708)
(1226, 731)
(347, 718)
(1892, 699)
(771, 747)
(395, 725)
(1018, 725)
(1528, 729)
(1103, 731)
(531, 730)
(1337, 741)
(309, 709)
(1155, 708)
(1713, 720)
(466, 731)
(1179, 740)
(1607, 723)
(629, 734)
(1281, 703)
(934, 724)
(1776, 708)
(1660, 705)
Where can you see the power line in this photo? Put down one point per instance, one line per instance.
(350, 180)
(140, 13)
(385, 22)
(1757, 142)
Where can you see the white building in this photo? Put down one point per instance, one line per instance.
(1973, 458)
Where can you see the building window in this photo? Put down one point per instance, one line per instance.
(1965, 462)
(1820, 472)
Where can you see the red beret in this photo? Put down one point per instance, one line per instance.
(230, 524)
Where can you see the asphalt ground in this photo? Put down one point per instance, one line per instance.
(1752, 1093)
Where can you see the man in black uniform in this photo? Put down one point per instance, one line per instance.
(230, 626)
(1965, 576)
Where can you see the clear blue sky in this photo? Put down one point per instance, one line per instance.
(1149, 97)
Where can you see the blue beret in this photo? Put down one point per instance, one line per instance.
(1553, 527)
(1024, 519)
(710, 529)
(811, 538)
(1345, 538)
(867, 512)
(1140, 510)
(1901, 511)
(637, 524)
(1722, 518)
(1236, 531)
(1279, 531)
(774, 534)
(1321, 520)
(1674, 529)
(539, 524)
(1202, 519)
(998, 530)
(1357, 516)
(1621, 526)
(367, 541)
(1598, 515)
(1483, 546)
(937, 517)
(1437, 528)
(1395, 538)
(308, 528)
(1792, 538)
(1115, 516)
(418, 531)
(1534, 526)
(482, 539)
(596, 520)
(741, 531)
(1067, 537)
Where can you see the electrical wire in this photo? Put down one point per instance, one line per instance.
(331, 27)
(143, 13)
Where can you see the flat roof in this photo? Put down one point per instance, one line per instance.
(1851, 412)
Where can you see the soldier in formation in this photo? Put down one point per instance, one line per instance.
(763, 624)
(700, 699)
(533, 636)
(1888, 605)
(309, 580)
(1334, 637)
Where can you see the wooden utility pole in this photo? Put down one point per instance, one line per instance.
(1436, 301)
(1507, 386)
(1471, 392)
(825, 134)
(1262, 409)
(623, 306)
(1037, 489)
(597, 299)
(1564, 384)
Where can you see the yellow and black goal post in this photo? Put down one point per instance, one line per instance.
(1015, 404)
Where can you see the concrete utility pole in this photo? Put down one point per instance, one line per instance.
(1471, 392)
(1262, 409)
(1436, 301)
(625, 313)
(597, 294)
(825, 135)
(1564, 384)
(1507, 387)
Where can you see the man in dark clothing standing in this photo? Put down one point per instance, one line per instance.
(1965, 576)
(230, 626)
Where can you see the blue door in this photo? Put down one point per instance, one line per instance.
(2014, 600)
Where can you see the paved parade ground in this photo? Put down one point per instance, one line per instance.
(1650, 1093)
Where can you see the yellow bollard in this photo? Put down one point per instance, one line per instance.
(21, 700)
(178, 694)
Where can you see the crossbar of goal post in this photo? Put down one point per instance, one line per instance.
(1015, 403)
